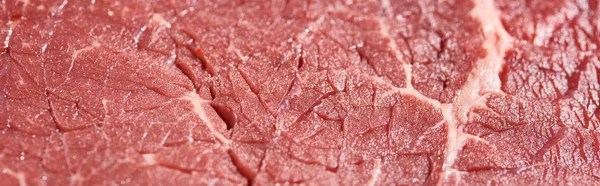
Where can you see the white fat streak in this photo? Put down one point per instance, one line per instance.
(199, 106)
(45, 45)
(483, 80)
(172, 58)
(385, 31)
(149, 159)
(337, 7)
(407, 91)
(76, 53)
(311, 28)
(61, 7)
(161, 20)
(238, 53)
(454, 134)
(8, 34)
(19, 175)
(76, 179)
(387, 7)
(156, 18)
(105, 105)
(74, 56)
(136, 37)
(57, 12)
(375, 173)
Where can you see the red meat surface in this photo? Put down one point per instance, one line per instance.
(300, 92)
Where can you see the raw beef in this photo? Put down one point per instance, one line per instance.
(319, 92)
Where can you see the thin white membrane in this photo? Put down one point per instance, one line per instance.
(201, 107)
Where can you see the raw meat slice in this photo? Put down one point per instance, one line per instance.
(320, 92)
